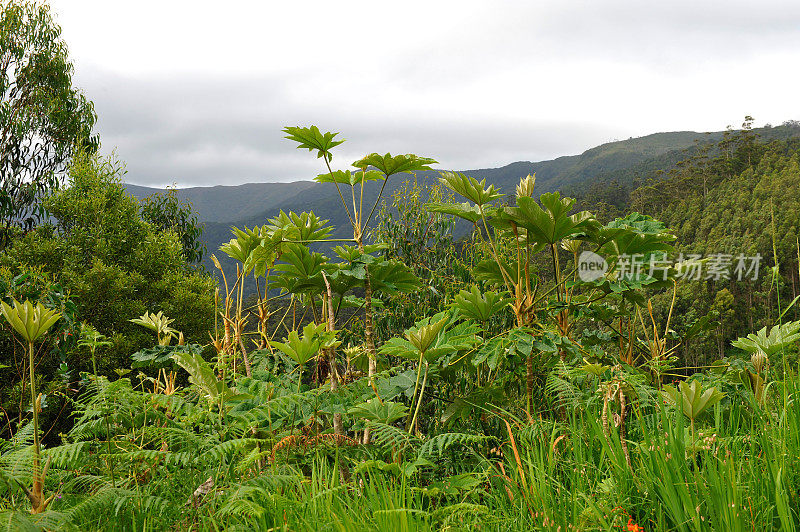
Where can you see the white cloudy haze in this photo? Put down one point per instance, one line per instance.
(196, 93)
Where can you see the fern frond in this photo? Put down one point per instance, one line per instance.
(440, 443)
(388, 436)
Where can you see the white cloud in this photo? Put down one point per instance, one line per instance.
(197, 93)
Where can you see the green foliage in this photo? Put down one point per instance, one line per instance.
(215, 391)
(159, 324)
(28, 320)
(777, 339)
(312, 139)
(301, 350)
(423, 336)
(550, 223)
(166, 212)
(386, 412)
(115, 265)
(348, 178)
(539, 405)
(691, 399)
(388, 165)
(479, 306)
(44, 119)
(162, 356)
(470, 188)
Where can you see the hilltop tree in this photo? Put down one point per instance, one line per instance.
(44, 119)
(168, 213)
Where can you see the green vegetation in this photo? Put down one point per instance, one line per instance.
(100, 263)
(397, 376)
(44, 120)
(419, 350)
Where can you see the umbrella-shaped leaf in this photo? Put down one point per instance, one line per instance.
(161, 356)
(302, 227)
(479, 306)
(467, 211)
(779, 337)
(200, 373)
(383, 412)
(549, 223)
(301, 350)
(421, 337)
(300, 270)
(395, 165)
(392, 277)
(312, 139)
(29, 320)
(347, 177)
(691, 398)
(470, 188)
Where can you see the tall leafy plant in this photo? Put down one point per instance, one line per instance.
(312, 139)
(32, 322)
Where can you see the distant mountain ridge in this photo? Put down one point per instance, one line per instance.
(221, 207)
(224, 203)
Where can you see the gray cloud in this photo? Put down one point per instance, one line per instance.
(475, 84)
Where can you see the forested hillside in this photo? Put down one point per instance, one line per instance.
(604, 174)
(736, 197)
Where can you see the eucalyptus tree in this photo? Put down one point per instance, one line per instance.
(44, 119)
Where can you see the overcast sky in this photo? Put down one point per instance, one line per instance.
(196, 93)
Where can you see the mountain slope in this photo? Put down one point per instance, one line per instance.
(625, 162)
(229, 203)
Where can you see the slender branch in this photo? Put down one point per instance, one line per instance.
(341, 197)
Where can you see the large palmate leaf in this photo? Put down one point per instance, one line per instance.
(351, 273)
(467, 211)
(312, 139)
(392, 277)
(469, 187)
(383, 412)
(303, 227)
(497, 273)
(158, 323)
(255, 248)
(421, 337)
(202, 376)
(300, 270)
(549, 223)
(395, 165)
(631, 244)
(350, 178)
(353, 254)
(641, 223)
(691, 398)
(239, 248)
(161, 356)
(301, 350)
(769, 343)
(635, 234)
(437, 335)
(479, 306)
(629, 286)
(29, 320)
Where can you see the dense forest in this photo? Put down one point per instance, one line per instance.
(451, 353)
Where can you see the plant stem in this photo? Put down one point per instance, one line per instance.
(37, 481)
(416, 387)
(419, 399)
